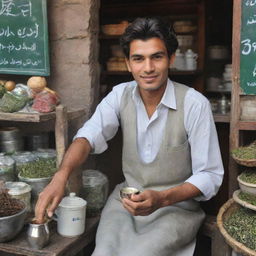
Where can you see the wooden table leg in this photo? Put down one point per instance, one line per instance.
(61, 132)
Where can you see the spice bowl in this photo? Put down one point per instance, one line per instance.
(127, 192)
(246, 187)
(11, 225)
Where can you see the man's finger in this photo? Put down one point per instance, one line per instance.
(52, 207)
(40, 209)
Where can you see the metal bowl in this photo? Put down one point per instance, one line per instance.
(127, 192)
(10, 226)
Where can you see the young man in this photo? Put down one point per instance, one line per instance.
(170, 153)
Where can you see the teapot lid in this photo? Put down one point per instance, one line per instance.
(72, 201)
(178, 53)
(189, 52)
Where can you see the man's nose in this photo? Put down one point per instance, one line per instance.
(149, 66)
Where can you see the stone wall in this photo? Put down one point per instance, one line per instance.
(73, 35)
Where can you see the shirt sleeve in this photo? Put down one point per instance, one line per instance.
(207, 167)
(104, 123)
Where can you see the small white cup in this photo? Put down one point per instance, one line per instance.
(70, 216)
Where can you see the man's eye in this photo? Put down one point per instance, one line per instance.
(158, 57)
(137, 59)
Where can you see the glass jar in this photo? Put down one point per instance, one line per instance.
(94, 190)
(22, 160)
(7, 166)
(21, 191)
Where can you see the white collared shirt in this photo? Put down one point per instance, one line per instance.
(207, 165)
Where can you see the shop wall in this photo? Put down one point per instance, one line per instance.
(73, 34)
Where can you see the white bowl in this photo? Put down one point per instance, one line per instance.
(246, 187)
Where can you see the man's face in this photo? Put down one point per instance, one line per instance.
(149, 62)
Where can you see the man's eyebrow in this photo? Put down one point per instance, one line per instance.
(136, 55)
(158, 53)
(141, 55)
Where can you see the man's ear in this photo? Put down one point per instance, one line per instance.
(172, 59)
(128, 64)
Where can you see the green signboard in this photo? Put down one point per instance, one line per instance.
(24, 37)
(248, 47)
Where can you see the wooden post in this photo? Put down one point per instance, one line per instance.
(235, 100)
(61, 132)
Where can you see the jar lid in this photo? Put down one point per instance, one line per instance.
(72, 201)
(17, 188)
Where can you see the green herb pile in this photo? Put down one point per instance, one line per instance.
(245, 153)
(241, 225)
(40, 168)
(249, 198)
(11, 103)
(248, 176)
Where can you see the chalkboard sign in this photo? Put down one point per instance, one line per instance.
(248, 47)
(24, 37)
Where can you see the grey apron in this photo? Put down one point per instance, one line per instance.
(171, 230)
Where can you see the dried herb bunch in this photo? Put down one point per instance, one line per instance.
(248, 176)
(246, 153)
(41, 168)
(9, 206)
(241, 225)
(249, 198)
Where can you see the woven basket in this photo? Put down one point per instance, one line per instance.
(225, 211)
(114, 29)
(248, 163)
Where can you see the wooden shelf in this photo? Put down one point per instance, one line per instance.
(38, 117)
(221, 118)
(247, 125)
(218, 91)
(171, 72)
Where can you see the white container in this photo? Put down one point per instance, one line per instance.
(20, 190)
(71, 214)
(246, 187)
(179, 62)
(190, 60)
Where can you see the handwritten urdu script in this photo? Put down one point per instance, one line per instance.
(248, 47)
(21, 35)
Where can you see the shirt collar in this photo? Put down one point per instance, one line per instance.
(168, 99)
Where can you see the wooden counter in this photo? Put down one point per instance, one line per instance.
(58, 245)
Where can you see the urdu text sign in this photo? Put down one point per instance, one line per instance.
(248, 47)
(24, 37)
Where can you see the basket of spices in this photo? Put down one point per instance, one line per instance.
(245, 155)
(237, 225)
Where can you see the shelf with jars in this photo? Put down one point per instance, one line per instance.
(187, 18)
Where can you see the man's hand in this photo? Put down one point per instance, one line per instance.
(144, 203)
(50, 197)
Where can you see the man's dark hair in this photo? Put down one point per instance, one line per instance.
(146, 28)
